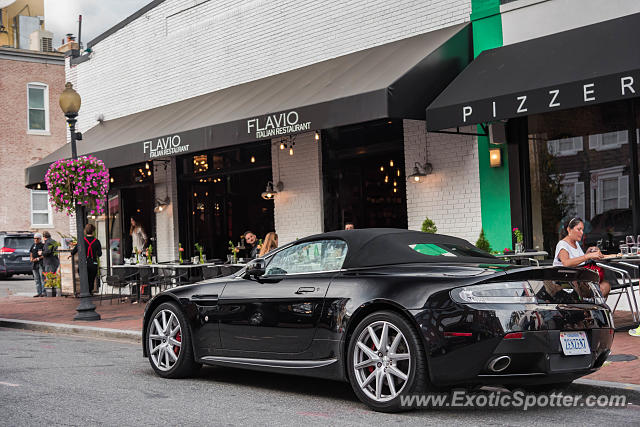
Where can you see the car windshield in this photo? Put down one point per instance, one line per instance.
(18, 242)
(448, 250)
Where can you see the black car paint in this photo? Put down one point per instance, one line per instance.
(420, 292)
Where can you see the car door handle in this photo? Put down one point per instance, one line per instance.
(305, 289)
(210, 297)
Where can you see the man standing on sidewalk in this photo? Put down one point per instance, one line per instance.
(36, 257)
(50, 263)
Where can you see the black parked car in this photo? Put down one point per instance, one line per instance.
(14, 253)
(393, 312)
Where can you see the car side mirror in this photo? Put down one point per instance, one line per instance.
(256, 268)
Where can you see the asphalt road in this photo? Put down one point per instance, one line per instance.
(20, 285)
(48, 379)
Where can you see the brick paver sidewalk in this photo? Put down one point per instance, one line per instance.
(624, 363)
(125, 316)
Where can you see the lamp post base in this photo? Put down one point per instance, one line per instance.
(86, 310)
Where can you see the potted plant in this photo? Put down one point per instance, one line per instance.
(233, 256)
(519, 240)
(482, 242)
(199, 248)
(429, 226)
(180, 251)
(150, 254)
(51, 283)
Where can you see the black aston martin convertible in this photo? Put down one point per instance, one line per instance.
(393, 312)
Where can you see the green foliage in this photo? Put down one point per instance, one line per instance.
(482, 242)
(428, 226)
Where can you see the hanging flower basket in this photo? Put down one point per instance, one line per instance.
(82, 181)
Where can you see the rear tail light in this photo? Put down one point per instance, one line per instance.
(496, 293)
(7, 250)
(514, 336)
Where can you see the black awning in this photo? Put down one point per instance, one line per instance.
(395, 80)
(584, 66)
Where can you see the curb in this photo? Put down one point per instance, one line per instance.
(608, 384)
(87, 331)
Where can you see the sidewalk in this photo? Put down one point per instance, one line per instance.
(125, 321)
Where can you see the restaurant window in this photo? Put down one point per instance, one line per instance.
(364, 179)
(221, 198)
(37, 104)
(568, 180)
(40, 209)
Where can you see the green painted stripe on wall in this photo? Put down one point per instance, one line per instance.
(495, 198)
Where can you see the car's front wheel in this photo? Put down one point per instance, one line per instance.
(169, 343)
(386, 361)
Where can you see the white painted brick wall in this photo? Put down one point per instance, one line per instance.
(298, 208)
(172, 53)
(450, 195)
(167, 221)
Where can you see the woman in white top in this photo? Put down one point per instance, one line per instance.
(138, 237)
(570, 254)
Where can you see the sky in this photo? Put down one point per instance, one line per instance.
(61, 16)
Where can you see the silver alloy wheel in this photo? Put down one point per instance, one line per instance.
(165, 340)
(382, 361)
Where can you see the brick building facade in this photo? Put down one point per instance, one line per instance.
(28, 78)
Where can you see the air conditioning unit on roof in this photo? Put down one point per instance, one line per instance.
(41, 40)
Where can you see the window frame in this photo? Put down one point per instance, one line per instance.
(597, 184)
(271, 257)
(45, 88)
(596, 140)
(49, 211)
(553, 146)
(572, 180)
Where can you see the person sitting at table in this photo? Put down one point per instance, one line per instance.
(250, 246)
(270, 243)
(94, 252)
(570, 254)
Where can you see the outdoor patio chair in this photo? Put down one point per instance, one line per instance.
(119, 283)
(621, 282)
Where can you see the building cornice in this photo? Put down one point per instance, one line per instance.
(12, 54)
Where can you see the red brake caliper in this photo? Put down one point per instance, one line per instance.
(373, 347)
(176, 349)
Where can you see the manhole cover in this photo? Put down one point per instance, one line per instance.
(621, 357)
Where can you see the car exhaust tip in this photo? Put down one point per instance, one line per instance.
(499, 364)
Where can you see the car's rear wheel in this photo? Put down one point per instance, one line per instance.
(169, 343)
(386, 361)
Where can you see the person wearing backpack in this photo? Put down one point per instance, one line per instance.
(94, 252)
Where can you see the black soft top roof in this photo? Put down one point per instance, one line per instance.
(370, 247)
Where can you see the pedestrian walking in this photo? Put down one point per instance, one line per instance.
(36, 256)
(51, 262)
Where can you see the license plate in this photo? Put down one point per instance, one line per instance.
(574, 343)
(25, 258)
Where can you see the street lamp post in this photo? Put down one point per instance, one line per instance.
(70, 104)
